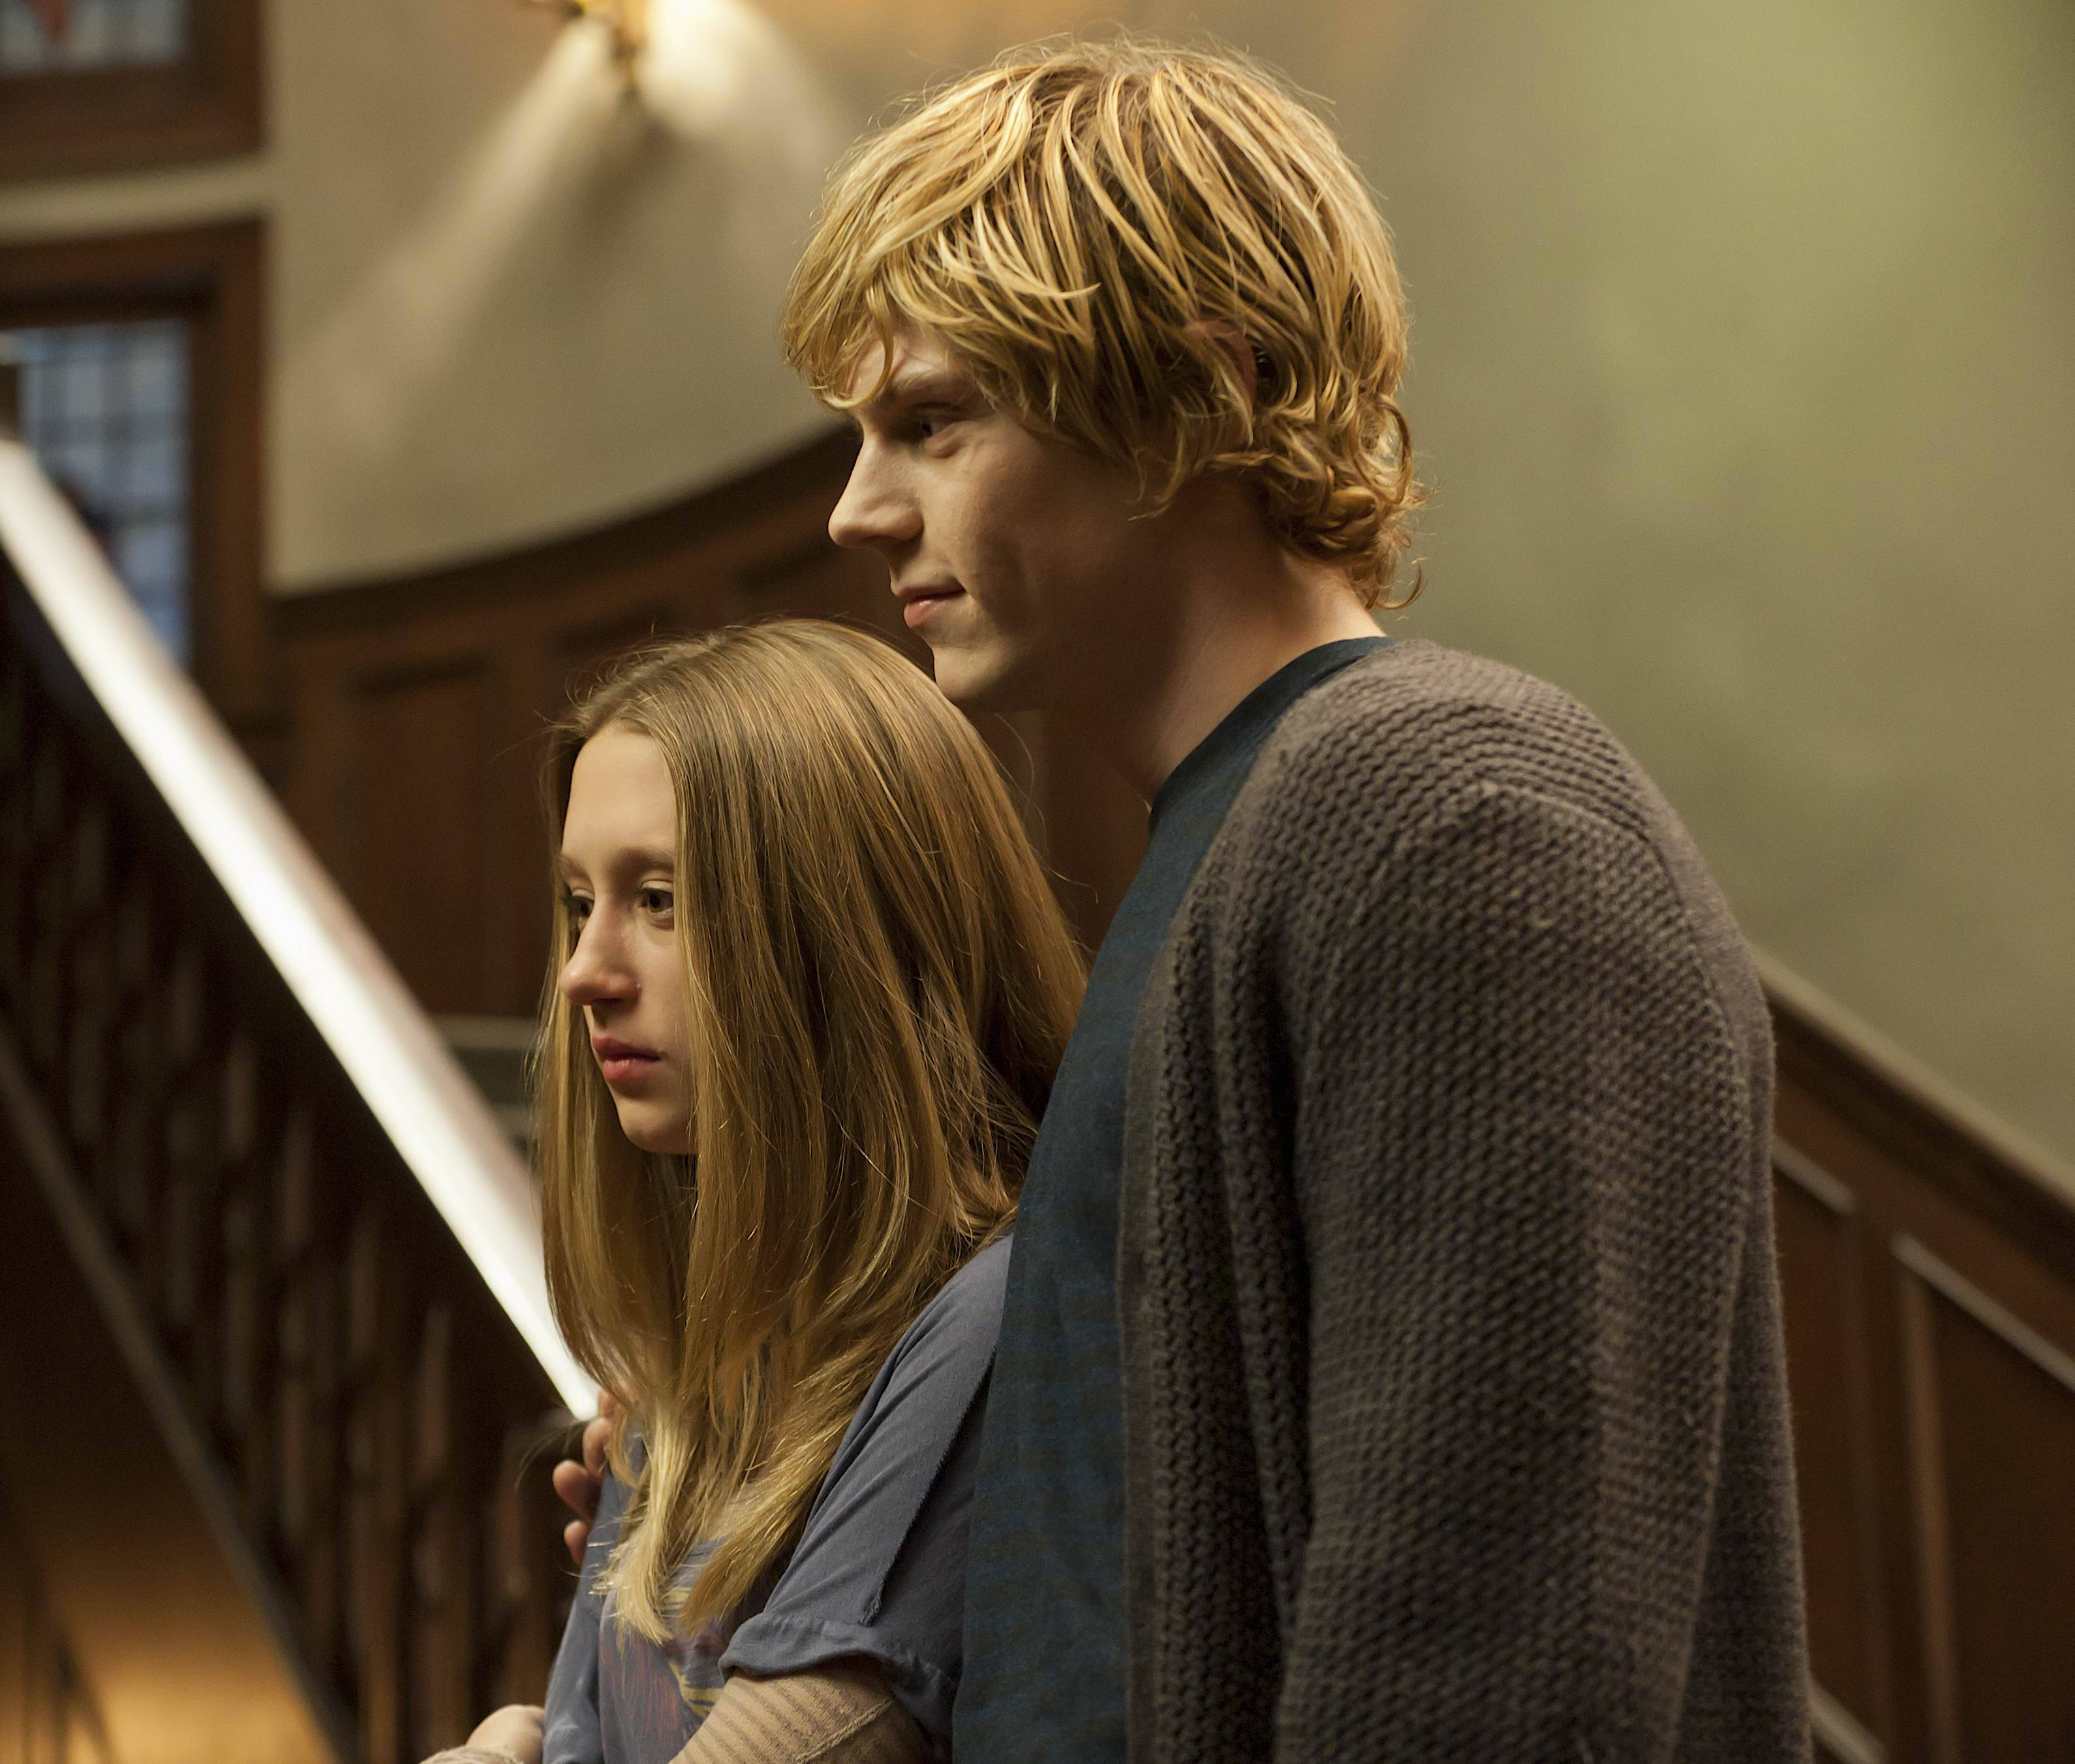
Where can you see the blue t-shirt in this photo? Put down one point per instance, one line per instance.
(879, 1570)
(1043, 1629)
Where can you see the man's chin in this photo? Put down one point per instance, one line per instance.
(976, 681)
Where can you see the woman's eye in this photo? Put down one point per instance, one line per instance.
(579, 908)
(658, 901)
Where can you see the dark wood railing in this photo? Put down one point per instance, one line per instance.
(222, 1117)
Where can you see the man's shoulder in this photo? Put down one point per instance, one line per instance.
(1415, 729)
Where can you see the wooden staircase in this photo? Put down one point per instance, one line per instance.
(276, 1367)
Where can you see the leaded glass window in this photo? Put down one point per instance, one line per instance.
(97, 34)
(104, 409)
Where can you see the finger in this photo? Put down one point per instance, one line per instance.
(595, 1436)
(576, 1488)
(575, 1535)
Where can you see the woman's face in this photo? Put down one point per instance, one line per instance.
(619, 869)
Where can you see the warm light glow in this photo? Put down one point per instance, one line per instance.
(383, 356)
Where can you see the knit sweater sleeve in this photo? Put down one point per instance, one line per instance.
(1519, 1135)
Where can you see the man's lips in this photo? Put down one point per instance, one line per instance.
(917, 602)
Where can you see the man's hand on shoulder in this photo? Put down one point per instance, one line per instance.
(513, 1735)
(578, 1482)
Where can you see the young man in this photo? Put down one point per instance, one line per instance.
(1391, 1364)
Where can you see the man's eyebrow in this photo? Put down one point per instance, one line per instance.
(914, 385)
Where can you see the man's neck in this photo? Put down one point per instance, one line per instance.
(1204, 645)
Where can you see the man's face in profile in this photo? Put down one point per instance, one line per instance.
(1008, 550)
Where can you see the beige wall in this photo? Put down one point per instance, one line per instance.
(1746, 371)
(1743, 368)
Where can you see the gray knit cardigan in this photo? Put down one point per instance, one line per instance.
(1455, 1419)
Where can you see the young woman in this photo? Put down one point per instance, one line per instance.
(809, 989)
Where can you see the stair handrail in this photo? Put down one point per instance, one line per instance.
(441, 1126)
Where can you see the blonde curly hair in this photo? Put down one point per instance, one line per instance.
(1086, 227)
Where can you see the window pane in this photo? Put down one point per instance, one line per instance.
(104, 409)
(98, 34)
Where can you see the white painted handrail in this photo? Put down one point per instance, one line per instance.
(439, 1123)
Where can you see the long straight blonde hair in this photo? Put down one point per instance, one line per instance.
(881, 985)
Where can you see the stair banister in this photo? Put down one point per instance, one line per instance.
(387, 1045)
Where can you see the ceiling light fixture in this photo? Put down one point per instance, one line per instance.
(628, 20)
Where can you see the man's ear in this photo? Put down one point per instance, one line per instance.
(1231, 343)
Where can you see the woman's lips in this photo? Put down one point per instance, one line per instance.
(620, 1063)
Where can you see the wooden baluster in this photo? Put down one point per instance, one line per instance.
(377, 1489)
(43, 1025)
(185, 1191)
(138, 1133)
(240, 1418)
(13, 829)
(310, 1286)
(226, 1119)
(440, 1628)
(89, 1000)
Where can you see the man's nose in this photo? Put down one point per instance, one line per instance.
(875, 511)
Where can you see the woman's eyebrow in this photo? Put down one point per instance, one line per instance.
(629, 860)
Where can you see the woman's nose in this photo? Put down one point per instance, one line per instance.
(593, 974)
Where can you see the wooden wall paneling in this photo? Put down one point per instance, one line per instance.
(818, 579)
(580, 649)
(1827, 1364)
(1967, 1269)
(516, 892)
(1994, 1408)
(1911, 1146)
(207, 104)
(1928, 1503)
(422, 833)
(1828, 1141)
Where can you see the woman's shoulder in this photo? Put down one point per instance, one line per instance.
(950, 1346)
(970, 1302)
